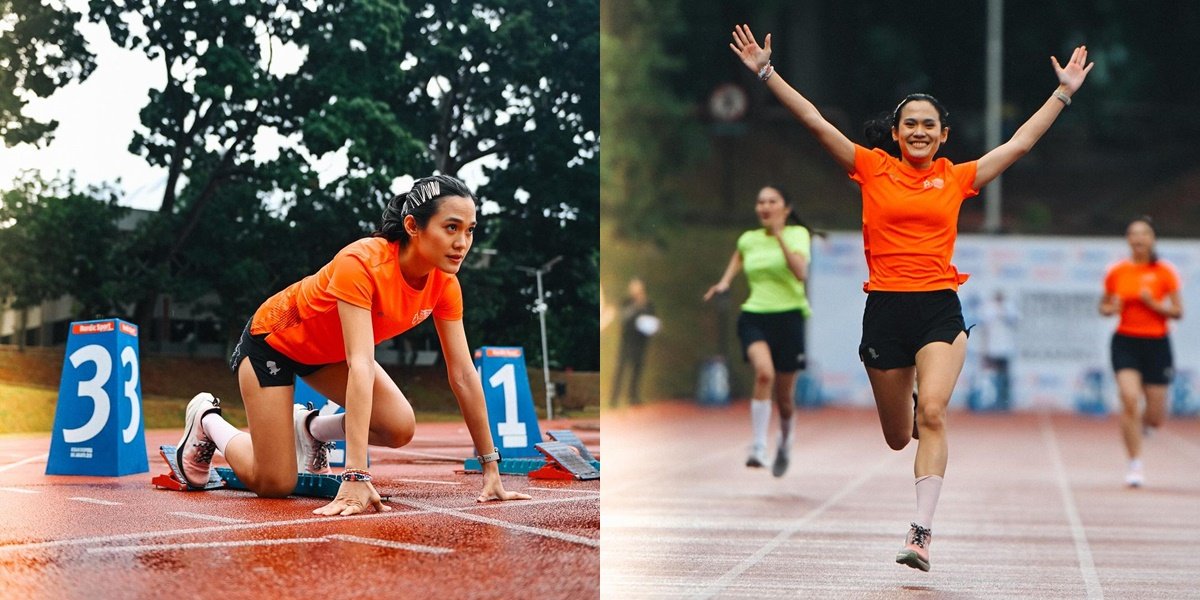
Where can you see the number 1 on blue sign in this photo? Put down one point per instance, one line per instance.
(512, 431)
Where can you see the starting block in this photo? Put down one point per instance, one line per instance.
(527, 466)
(307, 484)
(563, 462)
(175, 481)
(569, 438)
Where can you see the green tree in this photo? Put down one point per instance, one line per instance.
(58, 240)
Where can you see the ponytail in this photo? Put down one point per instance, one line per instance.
(792, 217)
(421, 202)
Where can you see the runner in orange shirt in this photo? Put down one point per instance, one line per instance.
(913, 329)
(324, 329)
(1144, 290)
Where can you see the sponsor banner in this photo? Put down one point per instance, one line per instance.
(1033, 304)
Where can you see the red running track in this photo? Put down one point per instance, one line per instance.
(102, 537)
(1033, 506)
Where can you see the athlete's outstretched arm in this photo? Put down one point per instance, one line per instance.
(355, 496)
(1070, 78)
(756, 59)
(731, 271)
(464, 382)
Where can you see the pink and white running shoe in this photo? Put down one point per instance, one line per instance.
(312, 455)
(195, 450)
(915, 552)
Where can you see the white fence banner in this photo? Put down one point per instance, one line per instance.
(1033, 304)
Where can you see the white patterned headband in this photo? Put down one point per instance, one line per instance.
(420, 194)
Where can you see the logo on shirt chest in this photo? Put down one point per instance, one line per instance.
(422, 315)
(936, 182)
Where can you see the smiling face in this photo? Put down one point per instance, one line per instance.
(1141, 239)
(770, 207)
(919, 132)
(446, 238)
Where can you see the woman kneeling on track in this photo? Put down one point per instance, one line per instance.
(771, 326)
(324, 329)
(1144, 290)
(913, 329)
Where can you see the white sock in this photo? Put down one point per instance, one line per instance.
(219, 430)
(929, 488)
(1135, 465)
(789, 427)
(760, 421)
(328, 428)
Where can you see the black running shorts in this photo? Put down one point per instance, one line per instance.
(272, 368)
(783, 332)
(1149, 356)
(898, 324)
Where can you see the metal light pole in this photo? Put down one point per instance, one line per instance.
(541, 311)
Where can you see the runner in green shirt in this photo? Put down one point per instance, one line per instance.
(771, 327)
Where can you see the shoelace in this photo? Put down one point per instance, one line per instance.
(204, 451)
(320, 455)
(919, 535)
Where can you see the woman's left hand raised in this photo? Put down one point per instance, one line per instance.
(493, 489)
(1072, 75)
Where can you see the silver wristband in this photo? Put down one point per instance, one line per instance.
(1066, 100)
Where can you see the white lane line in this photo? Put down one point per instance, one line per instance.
(1087, 566)
(430, 455)
(204, 517)
(96, 501)
(19, 490)
(594, 492)
(247, 526)
(549, 533)
(390, 544)
(715, 587)
(430, 481)
(205, 545)
(23, 461)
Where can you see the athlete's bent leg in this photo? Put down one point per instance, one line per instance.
(893, 399)
(1129, 389)
(938, 367)
(392, 420)
(265, 460)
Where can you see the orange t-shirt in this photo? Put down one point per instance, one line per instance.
(910, 220)
(302, 320)
(1126, 280)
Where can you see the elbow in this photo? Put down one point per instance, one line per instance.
(463, 380)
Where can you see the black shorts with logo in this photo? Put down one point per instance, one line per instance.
(783, 332)
(898, 324)
(1149, 356)
(271, 367)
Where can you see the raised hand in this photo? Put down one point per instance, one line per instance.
(1072, 75)
(747, 49)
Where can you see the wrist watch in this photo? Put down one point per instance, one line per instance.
(493, 456)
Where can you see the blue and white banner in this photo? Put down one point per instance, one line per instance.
(1034, 303)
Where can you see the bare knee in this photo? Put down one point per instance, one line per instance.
(764, 379)
(931, 417)
(897, 441)
(395, 437)
(275, 485)
(1129, 408)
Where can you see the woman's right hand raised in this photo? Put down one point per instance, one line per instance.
(719, 288)
(747, 49)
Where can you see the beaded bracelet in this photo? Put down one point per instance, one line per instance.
(766, 72)
(355, 475)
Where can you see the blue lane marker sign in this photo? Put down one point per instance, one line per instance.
(509, 401)
(98, 427)
(306, 394)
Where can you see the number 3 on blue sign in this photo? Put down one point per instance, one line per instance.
(94, 388)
